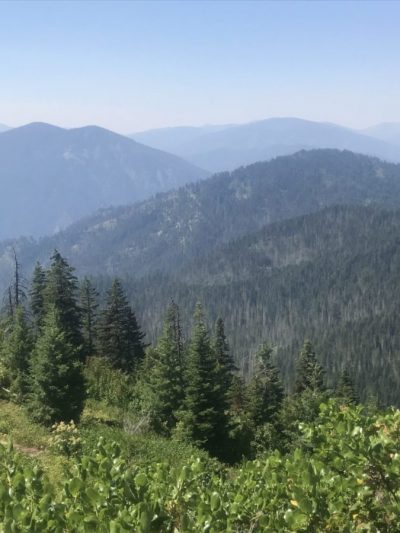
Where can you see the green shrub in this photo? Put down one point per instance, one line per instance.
(107, 384)
(346, 478)
(65, 439)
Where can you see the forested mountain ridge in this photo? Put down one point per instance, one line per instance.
(330, 276)
(163, 233)
(52, 176)
(231, 146)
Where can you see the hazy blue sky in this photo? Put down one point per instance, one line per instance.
(131, 65)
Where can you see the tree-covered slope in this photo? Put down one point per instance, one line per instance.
(331, 276)
(51, 176)
(171, 229)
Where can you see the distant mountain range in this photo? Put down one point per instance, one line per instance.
(387, 131)
(51, 176)
(3, 127)
(231, 146)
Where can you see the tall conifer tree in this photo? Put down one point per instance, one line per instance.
(164, 378)
(61, 293)
(16, 352)
(36, 295)
(89, 304)
(201, 415)
(119, 337)
(225, 363)
(265, 391)
(309, 373)
(57, 386)
(345, 389)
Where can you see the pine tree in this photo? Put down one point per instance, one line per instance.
(16, 352)
(225, 367)
(60, 293)
(200, 419)
(57, 387)
(237, 395)
(345, 389)
(89, 305)
(135, 337)
(119, 336)
(265, 391)
(225, 363)
(36, 295)
(309, 373)
(164, 377)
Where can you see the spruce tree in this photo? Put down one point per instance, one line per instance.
(345, 389)
(225, 367)
(135, 337)
(164, 378)
(36, 295)
(119, 337)
(57, 387)
(89, 305)
(309, 373)
(225, 363)
(265, 391)
(237, 395)
(16, 352)
(201, 418)
(60, 293)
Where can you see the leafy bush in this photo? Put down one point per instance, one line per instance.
(107, 384)
(346, 478)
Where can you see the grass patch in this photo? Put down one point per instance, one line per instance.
(15, 424)
(97, 412)
(30, 440)
(139, 448)
(98, 421)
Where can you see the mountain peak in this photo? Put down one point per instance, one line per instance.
(56, 175)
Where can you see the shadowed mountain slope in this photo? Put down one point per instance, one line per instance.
(170, 229)
(50, 176)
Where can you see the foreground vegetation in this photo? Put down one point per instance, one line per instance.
(100, 432)
(344, 477)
